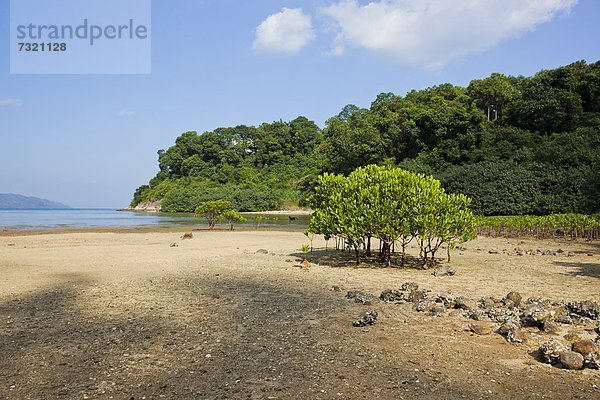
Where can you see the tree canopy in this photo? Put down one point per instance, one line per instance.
(390, 204)
(515, 145)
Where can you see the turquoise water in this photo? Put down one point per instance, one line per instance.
(77, 218)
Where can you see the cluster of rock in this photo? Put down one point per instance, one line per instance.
(517, 251)
(366, 318)
(507, 316)
(581, 354)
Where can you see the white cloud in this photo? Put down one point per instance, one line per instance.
(432, 32)
(126, 114)
(11, 102)
(287, 31)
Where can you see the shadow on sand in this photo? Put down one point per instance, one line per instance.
(197, 338)
(345, 259)
(580, 268)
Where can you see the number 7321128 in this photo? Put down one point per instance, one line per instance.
(26, 46)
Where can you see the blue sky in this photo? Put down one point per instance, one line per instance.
(90, 140)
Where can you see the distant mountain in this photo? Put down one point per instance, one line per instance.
(20, 202)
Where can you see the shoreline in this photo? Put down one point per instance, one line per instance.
(270, 212)
(279, 212)
(145, 229)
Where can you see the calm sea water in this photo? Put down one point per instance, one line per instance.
(109, 218)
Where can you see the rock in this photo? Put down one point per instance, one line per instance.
(516, 335)
(446, 299)
(424, 305)
(437, 310)
(305, 264)
(515, 297)
(146, 206)
(551, 350)
(417, 296)
(463, 304)
(481, 328)
(506, 327)
(443, 271)
(392, 295)
(588, 309)
(187, 235)
(597, 329)
(336, 288)
(571, 360)
(570, 254)
(536, 313)
(550, 327)
(571, 337)
(560, 251)
(493, 251)
(585, 347)
(592, 361)
(476, 315)
(262, 251)
(173, 245)
(502, 314)
(360, 297)
(508, 303)
(563, 317)
(409, 286)
(487, 303)
(366, 318)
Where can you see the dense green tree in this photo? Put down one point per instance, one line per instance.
(391, 205)
(492, 94)
(540, 155)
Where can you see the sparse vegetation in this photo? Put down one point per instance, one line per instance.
(232, 217)
(213, 211)
(548, 226)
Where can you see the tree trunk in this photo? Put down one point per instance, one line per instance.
(403, 254)
(385, 255)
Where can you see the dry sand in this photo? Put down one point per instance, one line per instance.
(123, 315)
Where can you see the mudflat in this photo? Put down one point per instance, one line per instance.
(149, 315)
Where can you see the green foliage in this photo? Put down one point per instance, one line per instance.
(138, 196)
(232, 217)
(213, 211)
(391, 205)
(511, 188)
(515, 145)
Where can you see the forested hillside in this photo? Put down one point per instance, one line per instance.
(516, 145)
(11, 201)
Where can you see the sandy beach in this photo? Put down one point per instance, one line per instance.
(148, 315)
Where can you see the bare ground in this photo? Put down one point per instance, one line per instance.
(124, 315)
